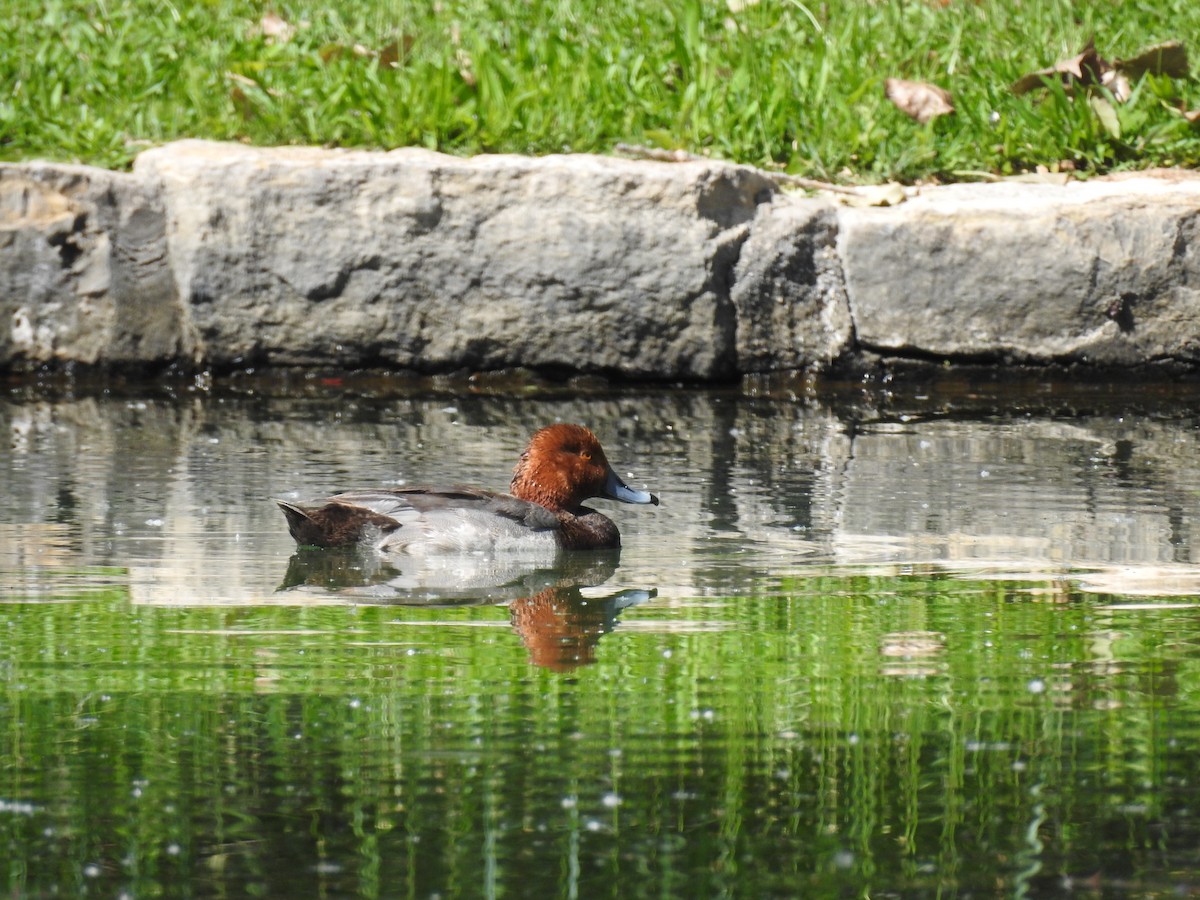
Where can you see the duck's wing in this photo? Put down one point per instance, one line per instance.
(414, 514)
(397, 503)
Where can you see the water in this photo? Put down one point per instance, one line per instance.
(870, 644)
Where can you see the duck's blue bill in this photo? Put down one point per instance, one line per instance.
(619, 490)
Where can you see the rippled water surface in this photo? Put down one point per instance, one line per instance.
(887, 646)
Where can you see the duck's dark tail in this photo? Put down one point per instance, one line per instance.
(332, 524)
(301, 525)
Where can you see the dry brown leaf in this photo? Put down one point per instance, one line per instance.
(336, 51)
(1168, 58)
(918, 99)
(890, 194)
(392, 55)
(1078, 71)
(389, 56)
(276, 29)
(1089, 68)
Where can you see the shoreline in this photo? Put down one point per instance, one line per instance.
(216, 258)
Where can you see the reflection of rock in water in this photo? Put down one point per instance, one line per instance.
(27, 545)
(561, 627)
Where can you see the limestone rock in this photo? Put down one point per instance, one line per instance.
(418, 260)
(228, 256)
(83, 270)
(788, 293)
(1103, 272)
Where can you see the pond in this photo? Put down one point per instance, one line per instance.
(874, 642)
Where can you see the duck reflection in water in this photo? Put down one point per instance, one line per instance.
(557, 622)
(561, 628)
(534, 548)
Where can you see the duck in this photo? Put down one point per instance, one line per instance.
(562, 466)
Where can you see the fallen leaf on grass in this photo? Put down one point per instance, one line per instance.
(1085, 69)
(1168, 58)
(330, 52)
(276, 29)
(919, 100)
(1089, 68)
(389, 56)
(1193, 116)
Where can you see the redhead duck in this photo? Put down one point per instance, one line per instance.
(563, 466)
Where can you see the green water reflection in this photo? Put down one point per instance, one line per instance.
(840, 734)
(856, 652)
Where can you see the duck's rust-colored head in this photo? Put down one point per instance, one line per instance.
(564, 465)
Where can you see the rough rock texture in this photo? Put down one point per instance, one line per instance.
(419, 260)
(788, 290)
(223, 256)
(83, 270)
(1104, 272)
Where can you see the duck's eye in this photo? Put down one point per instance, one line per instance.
(585, 454)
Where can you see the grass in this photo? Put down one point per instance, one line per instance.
(790, 84)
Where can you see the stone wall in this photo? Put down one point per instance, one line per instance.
(220, 256)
